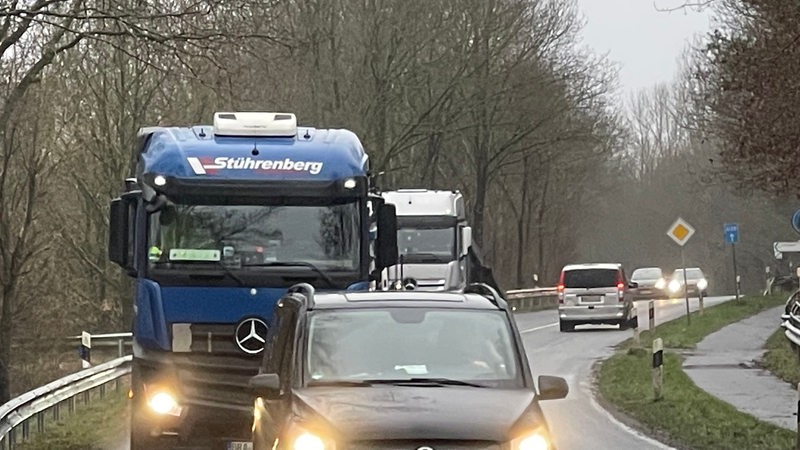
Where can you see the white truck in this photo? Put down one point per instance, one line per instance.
(433, 239)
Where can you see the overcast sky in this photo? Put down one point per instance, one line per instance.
(644, 42)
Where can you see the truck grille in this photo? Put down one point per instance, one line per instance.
(216, 370)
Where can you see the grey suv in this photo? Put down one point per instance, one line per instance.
(398, 369)
(595, 294)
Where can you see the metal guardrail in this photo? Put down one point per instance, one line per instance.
(33, 405)
(534, 299)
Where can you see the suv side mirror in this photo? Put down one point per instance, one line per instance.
(121, 235)
(466, 240)
(266, 384)
(552, 388)
(386, 242)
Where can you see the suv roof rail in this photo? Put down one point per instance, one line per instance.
(304, 289)
(486, 291)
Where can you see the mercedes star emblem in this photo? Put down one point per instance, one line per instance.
(251, 334)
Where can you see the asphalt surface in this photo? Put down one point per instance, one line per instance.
(578, 422)
(724, 365)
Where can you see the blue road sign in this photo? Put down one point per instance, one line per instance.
(731, 233)
(796, 221)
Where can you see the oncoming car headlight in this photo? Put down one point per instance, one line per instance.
(674, 286)
(536, 440)
(702, 284)
(162, 402)
(660, 284)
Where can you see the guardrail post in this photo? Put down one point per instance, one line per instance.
(71, 405)
(120, 348)
(39, 422)
(26, 431)
(86, 397)
(12, 439)
(56, 413)
(102, 391)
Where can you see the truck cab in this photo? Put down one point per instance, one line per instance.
(433, 238)
(218, 222)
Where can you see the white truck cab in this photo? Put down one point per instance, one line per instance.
(433, 238)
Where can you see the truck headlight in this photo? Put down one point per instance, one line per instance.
(534, 441)
(162, 402)
(674, 286)
(702, 284)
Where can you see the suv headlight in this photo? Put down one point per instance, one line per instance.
(300, 438)
(536, 440)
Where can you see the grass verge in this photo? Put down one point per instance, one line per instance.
(97, 426)
(780, 359)
(690, 417)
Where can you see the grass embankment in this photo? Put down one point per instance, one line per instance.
(780, 359)
(689, 416)
(97, 426)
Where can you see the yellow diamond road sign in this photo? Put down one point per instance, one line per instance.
(680, 231)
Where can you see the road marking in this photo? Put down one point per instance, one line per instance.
(539, 328)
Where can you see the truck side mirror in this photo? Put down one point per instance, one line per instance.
(122, 217)
(466, 240)
(386, 242)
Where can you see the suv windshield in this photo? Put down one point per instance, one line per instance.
(591, 278)
(410, 343)
(252, 235)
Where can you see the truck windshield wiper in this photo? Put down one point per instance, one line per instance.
(426, 382)
(225, 269)
(314, 268)
(423, 257)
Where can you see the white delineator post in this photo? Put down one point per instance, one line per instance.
(658, 369)
(86, 350)
(651, 312)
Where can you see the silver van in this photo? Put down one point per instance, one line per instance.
(595, 294)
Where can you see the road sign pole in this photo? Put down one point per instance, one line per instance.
(685, 288)
(735, 272)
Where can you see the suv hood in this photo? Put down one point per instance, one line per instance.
(410, 412)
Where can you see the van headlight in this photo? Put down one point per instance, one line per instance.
(702, 284)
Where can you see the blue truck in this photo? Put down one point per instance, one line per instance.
(218, 222)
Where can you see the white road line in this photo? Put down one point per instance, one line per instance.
(539, 328)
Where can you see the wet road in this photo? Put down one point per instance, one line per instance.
(578, 422)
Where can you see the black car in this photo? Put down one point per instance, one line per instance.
(398, 369)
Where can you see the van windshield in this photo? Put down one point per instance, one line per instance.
(591, 278)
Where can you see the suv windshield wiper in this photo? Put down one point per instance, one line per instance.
(426, 382)
(344, 383)
(314, 268)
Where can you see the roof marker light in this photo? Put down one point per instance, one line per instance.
(264, 124)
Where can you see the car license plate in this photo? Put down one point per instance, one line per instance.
(239, 445)
(592, 298)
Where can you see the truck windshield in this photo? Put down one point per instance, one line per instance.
(426, 244)
(242, 236)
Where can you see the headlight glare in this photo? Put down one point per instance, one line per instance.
(702, 284)
(674, 286)
(164, 403)
(308, 441)
(533, 441)
(660, 284)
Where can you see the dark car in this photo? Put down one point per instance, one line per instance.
(398, 369)
(650, 283)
